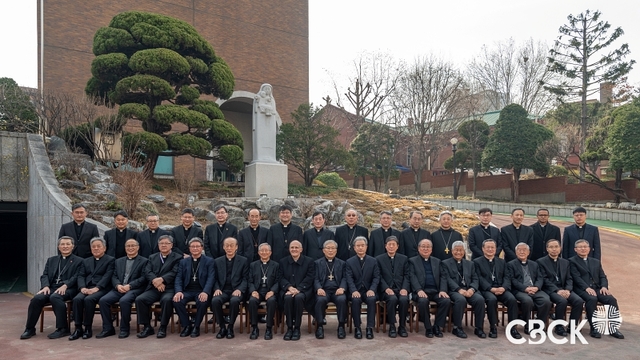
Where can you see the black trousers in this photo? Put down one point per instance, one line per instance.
(591, 302)
(505, 298)
(442, 309)
(147, 298)
(181, 308)
(460, 306)
(541, 301)
(234, 307)
(126, 301)
(339, 300)
(272, 304)
(293, 307)
(84, 307)
(57, 303)
(356, 306)
(399, 301)
(574, 300)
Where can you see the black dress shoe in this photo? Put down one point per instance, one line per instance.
(341, 333)
(105, 333)
(320, 333)
(146, 331)
(195, 332)
(59, 333)
(617, 335)
(324, 321)
(162, 332)
(28, 334)
(560, 330)
(254, 333)
(123, 334)
(369, 333)
(186, 331)
(595, 334)
(77, 334)
(459, 333)
(437, 332)
(230, 334)
(87, 334)
(222, 333)
(262, 319)
(515, 334)
(402, 331)
(479, 333)
(392, 331)
(493, 333)
(357, 333)
(296, 334)
(428, 332)
(268, 334)
(288, 334)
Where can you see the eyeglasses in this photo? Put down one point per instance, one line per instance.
(152, 221)
(195, 246)
(164, 243)
(582, 247)
(130, 246)
(425, 247)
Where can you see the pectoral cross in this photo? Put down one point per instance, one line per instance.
(464, 283)
(58, 280)
(446, 250)
(330, 277)
(264, 279)
(194, 277)
(493, 278)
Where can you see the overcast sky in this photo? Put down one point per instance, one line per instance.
(340, 30)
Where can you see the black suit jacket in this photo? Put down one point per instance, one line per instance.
(247, 247)
(144, 239)
(376, 241)
(239, 273)
(310, 245)
(584, 273)
(363, 279)
(344, 237)
(548, 270)
(138, 276)
(255, 276)
(516, 275)
(167, 270)
(483, 269)
(450, 270)
(571, 235)
(442, 242)
(539, 249)
(409, 244)
(96, 275)
(213, 238)
(476, 237)
(417, 274)
(68, 276)
(82, 246)
(510, 240)
(396, 279)
(299, 274)
(110, 239)
(280, 245)
(206, 274)
(339, 271)
(180, 242)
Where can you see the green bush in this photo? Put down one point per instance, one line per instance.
(113, 206)
(157, 187)
(557, 170)
(332, 179)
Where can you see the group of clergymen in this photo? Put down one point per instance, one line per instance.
(294, 270)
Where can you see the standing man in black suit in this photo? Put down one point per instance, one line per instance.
(313, 239)
(483, 231)
(330, 285)
(94, 281)
(117, 236)
(148, 239)
(129, 280)
(264, 284)
(395, 285)
(427, 285)
(494, 286)
(543, 231)
(444, 237)
(232, 273)
(194, 282)
(363, 278)
(282, 234)
(526, 285)
(409, 238)
(250, 238)
(184, 232)
(463, 284)
(58, 283)
(80, 231)
(379, 235)
(345, 234)
(296, 288)
(581, 230)
(558, 284)
(161, 275)
(591, 284)
(515, 233)
(215, 234)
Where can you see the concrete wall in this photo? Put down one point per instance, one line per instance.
(13, 167)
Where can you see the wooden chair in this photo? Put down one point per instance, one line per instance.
(262, 311)
(50, 308)
(225, 311)
(363, 310)
(191, 311)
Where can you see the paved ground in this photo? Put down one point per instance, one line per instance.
(620, 262)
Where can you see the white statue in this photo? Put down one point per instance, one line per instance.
(266, 124)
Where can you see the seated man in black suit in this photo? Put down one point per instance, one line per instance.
(495, 286)
(444, 237)
(427, 284)
(80, 231)
(264, 284)
(250, 238)
(363, 278)
(482, 232)
(148, 238)
(346, 233)
(58, 284)
(558, 284)
(129, 280)
(161, 274)
(395, 285)
(184, 232)
(116, 237)
(232, 273)
(463, 284)
(330, 284)
(314, 238)
(409, 238)
(526, 285)
(296, 288)
(376, 240)
(591, 284)
(94, 281)
(215, 234)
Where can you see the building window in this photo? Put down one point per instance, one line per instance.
(164, 166)
(409, 155)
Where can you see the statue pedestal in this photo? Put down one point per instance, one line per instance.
(266, 178)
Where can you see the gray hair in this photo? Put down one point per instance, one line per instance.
(427, 240)
(366, 242)
(196, 239)
(263, 245)
(97, 238)
(166, 236)
(446, 212)
(73, 242)
(329, 242)
(521, 245)
(581, 241)
(459, 243)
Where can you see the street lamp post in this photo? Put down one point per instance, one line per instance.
(454, 148)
